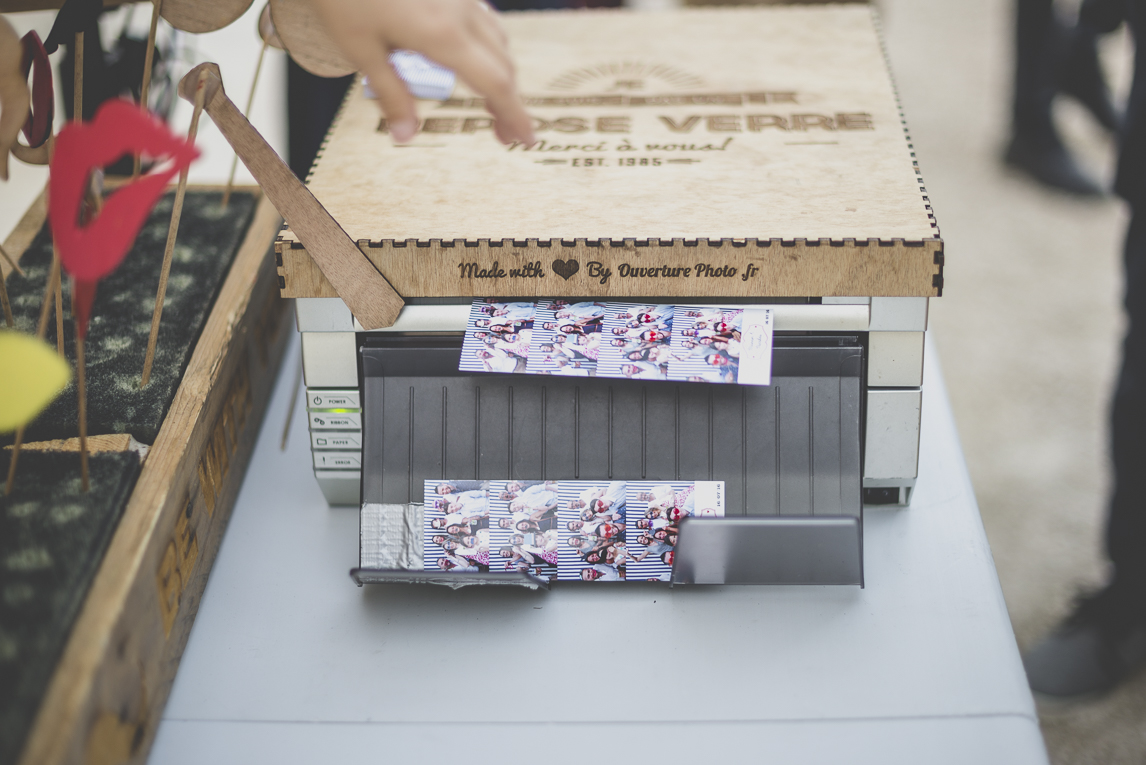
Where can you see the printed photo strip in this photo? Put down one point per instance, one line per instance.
(497, 337)
(588, 531)
(656, 509)
(523, 534)
(636, 341)
(722, 345)
(620, 340)
(592, 531)
(566, 338)
(455, 530)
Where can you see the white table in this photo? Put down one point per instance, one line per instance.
(289, 662)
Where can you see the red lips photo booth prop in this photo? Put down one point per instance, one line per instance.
(91, 250)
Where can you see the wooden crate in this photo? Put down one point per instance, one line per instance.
(107, 694)
(706, 152)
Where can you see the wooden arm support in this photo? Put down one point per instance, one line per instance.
(367, 293)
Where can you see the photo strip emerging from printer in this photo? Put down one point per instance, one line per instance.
(455, 534)
(589, 531)
(620, 341)
(523, 527)
(656, 510)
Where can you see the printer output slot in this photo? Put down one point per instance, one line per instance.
(789, 453)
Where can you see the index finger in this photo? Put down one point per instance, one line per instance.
(495, 81)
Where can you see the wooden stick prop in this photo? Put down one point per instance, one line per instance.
(270, 38)
(77, 118)
(290, 407)
(364, 290)
(81, 393)
(172, 232)
(16, 444)
(58, 297)
(8, 318)
(74, 17)
(148, 61)
(92, 248)
(11, 263)
(41, 330)
(195, 16)
(78, 80)
(247, 114)
(49, 296)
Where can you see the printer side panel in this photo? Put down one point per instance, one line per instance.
(334, 410)
(894, 398)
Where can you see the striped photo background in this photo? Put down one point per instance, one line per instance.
(431, 551)
(651, 567)
(619, 316)
(541, 336)
(571, 563)
(471, 344)
(542, 362)
(499, 537)
(691, 363)
(591, 352)
(699, 498)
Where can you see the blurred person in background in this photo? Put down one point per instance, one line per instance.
(1053, 58)
(1104, 640)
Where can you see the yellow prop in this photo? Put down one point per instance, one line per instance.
(31, 375)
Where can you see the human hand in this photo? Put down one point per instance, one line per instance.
(462, 35)
(14, 98)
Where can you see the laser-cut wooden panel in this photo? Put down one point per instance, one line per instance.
(701, 126)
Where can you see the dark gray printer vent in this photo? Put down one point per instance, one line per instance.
(789, 451)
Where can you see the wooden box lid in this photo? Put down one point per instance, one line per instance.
(765, 140)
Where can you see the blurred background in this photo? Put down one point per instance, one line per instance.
(1027, 330)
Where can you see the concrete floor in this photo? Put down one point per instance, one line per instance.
(1027, 331)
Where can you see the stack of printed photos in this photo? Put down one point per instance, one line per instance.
(590, 531)
(620, 340)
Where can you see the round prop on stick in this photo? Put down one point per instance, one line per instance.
(197, 16)
(35, 62)
(306, 39)
(14, 97)
(267, 30)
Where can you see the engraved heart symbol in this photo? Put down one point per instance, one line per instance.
(565, 268)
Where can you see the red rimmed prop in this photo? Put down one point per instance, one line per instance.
(35, 62)
(90, 252)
